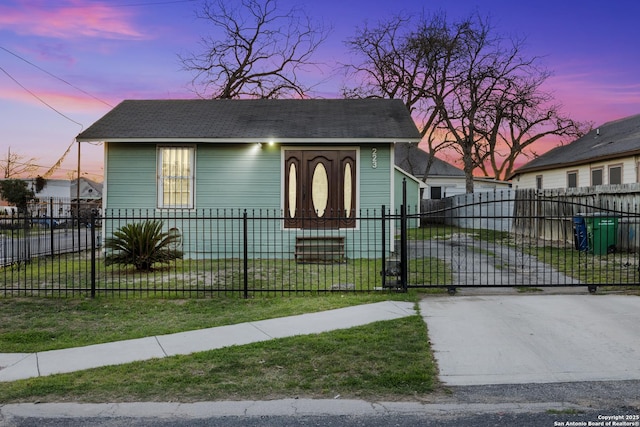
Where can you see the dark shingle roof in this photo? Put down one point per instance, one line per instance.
(255, 119)
(619, 138)
(413, 159)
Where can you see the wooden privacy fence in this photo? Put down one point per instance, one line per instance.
(542, 214)
(552, 214)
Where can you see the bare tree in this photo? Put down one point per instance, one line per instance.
(15, 165)
(519, 118)
(468, 88)
(258, 51)
(408, 66)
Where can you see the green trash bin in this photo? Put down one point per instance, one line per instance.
(602, 232)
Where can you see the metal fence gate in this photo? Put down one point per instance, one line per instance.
(525, 238)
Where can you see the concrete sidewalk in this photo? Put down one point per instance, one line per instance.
(16, 366)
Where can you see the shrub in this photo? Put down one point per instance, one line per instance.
(142, 245)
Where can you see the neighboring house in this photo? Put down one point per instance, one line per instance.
(53, 200)
(59, 197)
(302, 158)
(444, 179)
(89, 190)
(54, 189)
(608, 155)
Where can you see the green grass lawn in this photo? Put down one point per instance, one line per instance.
(390, 359)
(608, 269)
(70, 274)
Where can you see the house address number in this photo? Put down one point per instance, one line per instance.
(374, 158)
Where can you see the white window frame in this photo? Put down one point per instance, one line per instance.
(573, 172)
(162, 180)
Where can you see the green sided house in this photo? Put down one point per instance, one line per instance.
(305, 168)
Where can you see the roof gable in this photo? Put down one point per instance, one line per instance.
(380, 119)
(619, 138)
(414, 160)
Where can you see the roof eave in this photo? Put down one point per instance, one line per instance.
(574, 163)
(255, 140)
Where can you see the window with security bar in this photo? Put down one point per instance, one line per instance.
(176, 175)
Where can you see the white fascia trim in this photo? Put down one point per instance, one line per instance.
(324, 141)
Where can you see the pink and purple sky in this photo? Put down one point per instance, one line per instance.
(128, 49)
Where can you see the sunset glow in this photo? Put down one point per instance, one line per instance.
(64, 64)
(68, 20)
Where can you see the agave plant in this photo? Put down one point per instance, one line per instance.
(142, 244)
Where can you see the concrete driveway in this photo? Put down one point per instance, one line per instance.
(513, 339)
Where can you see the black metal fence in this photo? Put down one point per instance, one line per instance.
(527, 238)
(224, 252)
(494, 239)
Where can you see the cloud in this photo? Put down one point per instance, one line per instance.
(599, 96)
(57, 52)
(66, 103)
(69, 20)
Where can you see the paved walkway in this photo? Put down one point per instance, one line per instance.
(477, 339)
(15, 366)
(518, 339)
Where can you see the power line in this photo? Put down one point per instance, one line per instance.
(40, 99)
(54, 76)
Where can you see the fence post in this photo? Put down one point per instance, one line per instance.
(245, 253)
(93, 255)
(51, 233)
(384, 248)
(403, 238)
(27, 241)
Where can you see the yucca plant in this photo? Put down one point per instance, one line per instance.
(142, 244)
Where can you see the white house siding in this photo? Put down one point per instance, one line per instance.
(56, 188)
(557, 178)
(454, 186)
(450, 186)
(57, 191)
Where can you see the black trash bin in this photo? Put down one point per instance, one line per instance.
(580, 236)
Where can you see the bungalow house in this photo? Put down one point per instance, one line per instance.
(607, 155)
(444, 179)
(316, 163)
(89, 189)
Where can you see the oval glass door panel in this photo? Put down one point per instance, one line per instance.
(320, 189)
(348, 197)
(293, 187)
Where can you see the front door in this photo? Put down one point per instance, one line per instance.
(320, 188)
